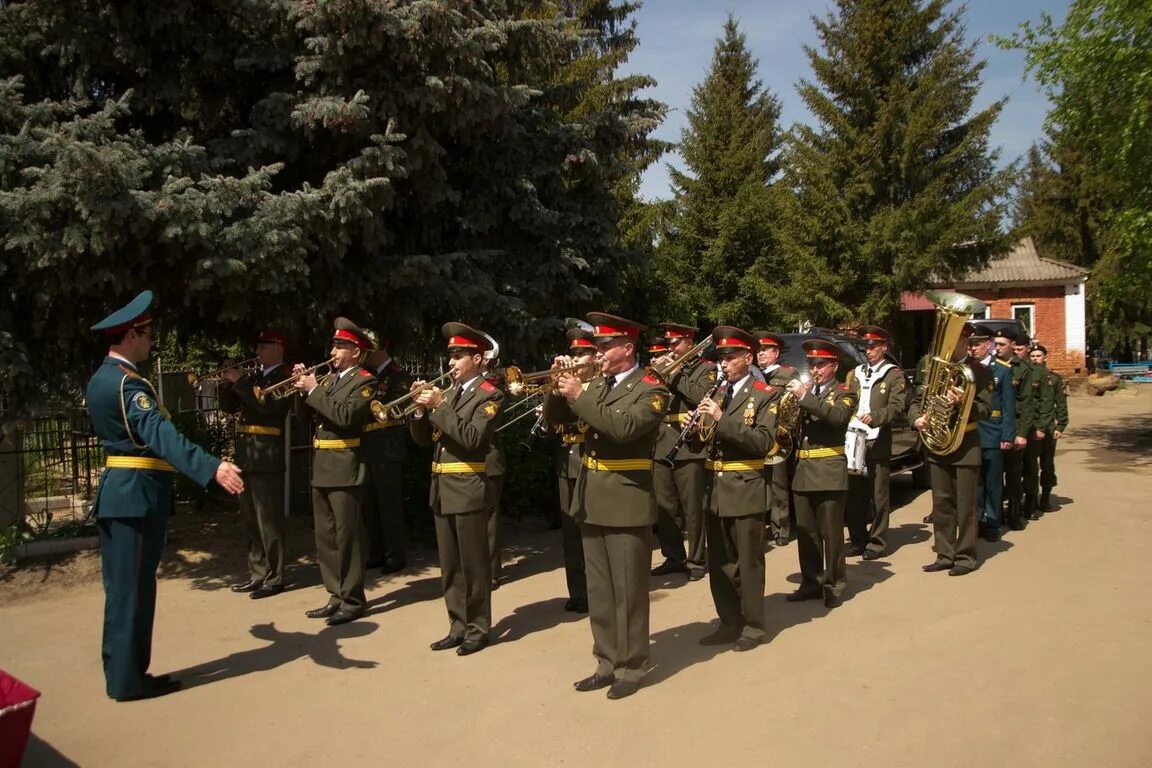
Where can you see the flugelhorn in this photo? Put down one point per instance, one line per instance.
(405, 405)
(196, 381)
(519, 383)
(287, 387)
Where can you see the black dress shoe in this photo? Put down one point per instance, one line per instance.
(782, 541)
(722, 636)
(573, 605)
(266, 590)
(990, 534)
(695, 574)
(468, 647)
(323, 612)
(928, 518)
(153, 689)
(622, 689)
(1036, 515)
(668, 567)
(804, 594)
(939, 565)
(375, 562)
(833, 601)
(960, 570)
(157, 679)
(445, 643)
(343, 616)
(745, 644)
(872, 554)
(1016, 524)
(392, 566)
(249, 586)
(594, 683)
(855, 550)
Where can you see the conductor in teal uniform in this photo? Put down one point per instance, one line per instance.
(134, 499)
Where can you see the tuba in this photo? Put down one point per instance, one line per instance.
(945, 421)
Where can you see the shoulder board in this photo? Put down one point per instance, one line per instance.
(757, 384)
(1001, 362)
(129, 372)
(650, 379)
(487, 386)
(365, 373)
(843, 387)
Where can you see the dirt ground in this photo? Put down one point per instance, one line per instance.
(1040, 658)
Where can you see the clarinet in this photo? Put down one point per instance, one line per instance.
(536, 432)
(691, 425)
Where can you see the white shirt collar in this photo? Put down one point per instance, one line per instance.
(470, 382)
(345, 372)
(739, 386)
(621, 376)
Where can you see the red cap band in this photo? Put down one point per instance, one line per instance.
(462, 341)
(343, 335)
(826, 354)
(732, 343)
(581, 344)
(675, 334)
(138, 322)
(608, 330)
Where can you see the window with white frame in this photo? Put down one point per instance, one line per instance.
(1026, 314)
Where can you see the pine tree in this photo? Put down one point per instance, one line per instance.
(895, 185)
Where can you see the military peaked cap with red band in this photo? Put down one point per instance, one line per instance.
(578, 338)
(271, 337)
(675, 331)
(874, 334)
(979, 333)
(657, 346)
(348, 331)
(134, 314)
(819, 349)
(767, 339)
(730, 337)
(606, 327)
(460, 336)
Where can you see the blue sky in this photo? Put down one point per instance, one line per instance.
(677, 37)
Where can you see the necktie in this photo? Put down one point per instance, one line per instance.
(727, 398)
(456, 397)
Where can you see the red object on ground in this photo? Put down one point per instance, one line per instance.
(17, 706)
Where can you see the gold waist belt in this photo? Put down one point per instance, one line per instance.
(138, 462)
(255, 429)
(734, 466)
(458, 468)
(820, 453)
(384, 425)
(617, 465)
(571, 439)
(335, 445)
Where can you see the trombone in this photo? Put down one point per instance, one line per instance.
(196, 381)
(405, 405)
(520, 383)
(287, 387)
(666, 370)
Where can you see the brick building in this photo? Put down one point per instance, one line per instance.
(1047, 296)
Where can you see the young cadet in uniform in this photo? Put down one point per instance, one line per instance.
(383, 448)
(458, 422)
(259, 449)
(134, 498)
(780, 469)
(956, 475)
(343, 407)
(997, 434)
(620, 412)
(879, 387)
(681, 488)
(1042, 393)
(744, 433)
(1006, 345)
(821, 480)
(569, 452)
(1053, 428)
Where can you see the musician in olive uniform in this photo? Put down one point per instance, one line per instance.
(259, 449)
(620, 413)
(134, 498)
(879, 387)
(680, 488)
(383, 448)
(742, 433)
(495, 468)
(997, 434)
(821, 481)
(343, 408)
(568, 456)
(1006, 344)
(780, 468)
(956, 475)
(1053, 428)
(458, 423)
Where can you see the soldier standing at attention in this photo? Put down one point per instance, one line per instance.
(134, 498)
(780, 470)
(821, 480)
(619, 412)
(259, 449)
(997, 434)
(680, 488)
(1042, 397)
(383, 449)
(458, 422)
(743, 428)
(1053, 428)
(879, 387)
(1006, 343)
(342, 403)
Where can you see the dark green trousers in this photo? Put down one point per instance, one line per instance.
(466, 573)
(820, 520)
(384, 512)
(1014, 476)
(340, 545)
(779, 491)
(869, 506)
(262, 512)
(954, 513)
(617, 562)
(493, 492)
(1031, 468)
(736, 571)
(130, 550)
(572, 543)
(681, 490)
(1047, 463)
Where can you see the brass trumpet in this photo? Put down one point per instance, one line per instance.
(405, 405)
(287, 387)
(196, 381)
(520, 383)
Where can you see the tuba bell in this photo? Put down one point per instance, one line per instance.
(788, 423)
(945, 421)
